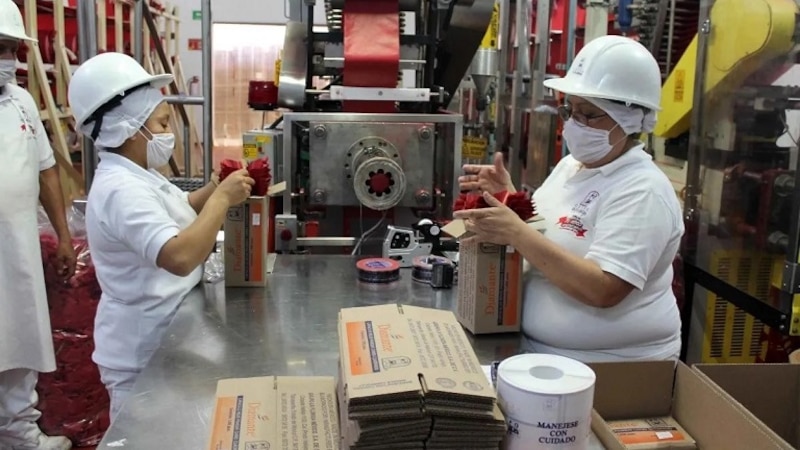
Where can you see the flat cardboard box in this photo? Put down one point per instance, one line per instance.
(769, 395)
(275, 413)
(636, 390)
(248, 260)
(398, 353)
(490, 283)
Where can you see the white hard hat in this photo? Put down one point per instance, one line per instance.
(613, 68)
(102, 81)
(11, 25)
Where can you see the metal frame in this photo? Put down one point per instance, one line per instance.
(290, 118)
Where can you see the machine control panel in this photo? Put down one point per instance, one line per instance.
(286, 232)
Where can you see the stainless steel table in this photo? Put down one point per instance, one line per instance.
(287, 328)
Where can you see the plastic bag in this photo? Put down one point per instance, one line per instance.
(214, 268)
(73, 400)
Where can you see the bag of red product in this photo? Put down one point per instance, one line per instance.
(73, 401)
(519, 202)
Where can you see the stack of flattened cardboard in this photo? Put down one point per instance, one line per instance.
(275, 413)
(410, 380)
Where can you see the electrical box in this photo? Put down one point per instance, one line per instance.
(258, 144)
(286, 231)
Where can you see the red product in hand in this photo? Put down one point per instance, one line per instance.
(258, 170)
(227, 167)
(519, 202)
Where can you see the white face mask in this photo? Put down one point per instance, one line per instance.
(586, 144)
(8, 71)
(159, 149)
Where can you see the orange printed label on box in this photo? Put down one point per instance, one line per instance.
(227, 423)
(361, 345)
(629, 437)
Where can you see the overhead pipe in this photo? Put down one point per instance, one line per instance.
(138, 24)
(87, 48)
(208, 132)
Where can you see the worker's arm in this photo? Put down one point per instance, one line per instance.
(580, 278)
(53, 202)
(140, 218)
(50, 195)
(632, 231)
(190, 247)
(199, 197)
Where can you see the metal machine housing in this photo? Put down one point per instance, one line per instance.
(424, 144)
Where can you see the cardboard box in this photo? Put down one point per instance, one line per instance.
(768, 394)
(409, 352)
(639, 390)
(410, 379)
(249, 240)
(275, 413)
(490, 284)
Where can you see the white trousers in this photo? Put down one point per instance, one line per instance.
(119, 384)
(18, 413)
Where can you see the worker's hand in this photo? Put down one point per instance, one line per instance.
(65, 259)
(215, 179)
(497, 224)
(235, 188)
(491, 178)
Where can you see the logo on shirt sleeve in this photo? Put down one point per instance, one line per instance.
(573, 224)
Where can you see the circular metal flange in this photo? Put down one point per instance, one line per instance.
(379, 183)
(368, 148)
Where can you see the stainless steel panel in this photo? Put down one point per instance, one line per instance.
(466, 30)
(294, 67)
(286, 328)
(335, 148)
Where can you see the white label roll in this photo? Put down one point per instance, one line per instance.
(547, 401)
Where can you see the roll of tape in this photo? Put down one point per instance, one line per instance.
(422, 267)
(547, 401)
(378, 270)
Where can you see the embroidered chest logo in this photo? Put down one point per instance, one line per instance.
(574, 222)
(26, 126)
(583, 207)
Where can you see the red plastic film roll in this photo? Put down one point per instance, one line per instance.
(371, 50)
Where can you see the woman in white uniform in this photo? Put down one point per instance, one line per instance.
(148, 238)
(599, 286)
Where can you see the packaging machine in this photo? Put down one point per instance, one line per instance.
(377, 142)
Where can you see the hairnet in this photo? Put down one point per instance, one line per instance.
(124, 121)
(632, 119)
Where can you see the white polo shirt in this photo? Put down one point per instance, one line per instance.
(130, 214)
(625, 217)
(20, 112)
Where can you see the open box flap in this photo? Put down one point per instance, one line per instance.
(458, 230)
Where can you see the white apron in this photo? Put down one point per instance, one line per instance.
(25, 337)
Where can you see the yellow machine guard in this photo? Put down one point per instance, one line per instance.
(745, 34)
